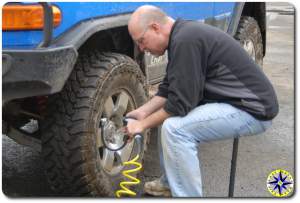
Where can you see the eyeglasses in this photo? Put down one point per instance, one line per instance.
(140, 40)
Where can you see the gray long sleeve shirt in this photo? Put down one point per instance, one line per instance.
(207, 65)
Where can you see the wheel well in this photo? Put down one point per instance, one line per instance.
(257, 10)
(115, 40)
(111, 40)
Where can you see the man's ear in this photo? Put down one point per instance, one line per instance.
(156, 27)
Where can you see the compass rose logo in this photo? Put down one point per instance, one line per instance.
(280, 183)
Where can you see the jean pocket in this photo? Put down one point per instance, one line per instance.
(266, 124)
(241, 125)
(244, 130)
(250, 126)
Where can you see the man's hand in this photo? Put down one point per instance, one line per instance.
(133, 127)
(138, 126)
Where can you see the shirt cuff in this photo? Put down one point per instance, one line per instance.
(170, 109)
(162, 93)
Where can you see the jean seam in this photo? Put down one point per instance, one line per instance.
(193, 123)
(177, 167)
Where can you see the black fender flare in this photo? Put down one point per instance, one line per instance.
(82, 31)
(237, 12)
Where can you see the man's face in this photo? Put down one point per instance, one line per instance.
(149, 39)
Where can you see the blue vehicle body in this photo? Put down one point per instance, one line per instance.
(80, 22)
(75, 12)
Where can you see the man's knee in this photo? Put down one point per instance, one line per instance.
(172, 130)
(169, 126)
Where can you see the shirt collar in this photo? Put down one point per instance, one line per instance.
(171, 33)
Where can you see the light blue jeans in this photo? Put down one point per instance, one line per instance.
(180, 136)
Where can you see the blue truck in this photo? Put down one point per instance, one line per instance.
(67, 65)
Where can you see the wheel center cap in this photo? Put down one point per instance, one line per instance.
(109, 131)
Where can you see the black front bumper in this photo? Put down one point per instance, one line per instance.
(27, 73)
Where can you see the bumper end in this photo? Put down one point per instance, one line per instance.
(28, 73)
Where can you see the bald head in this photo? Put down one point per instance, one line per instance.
(150, 27)
(145, 15)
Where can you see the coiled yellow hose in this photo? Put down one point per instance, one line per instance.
(132, 180)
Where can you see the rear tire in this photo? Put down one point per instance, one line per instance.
(75, 161)
(249, 36)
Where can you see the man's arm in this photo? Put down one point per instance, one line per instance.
(155, 119)
(186, 76)
(157, 102)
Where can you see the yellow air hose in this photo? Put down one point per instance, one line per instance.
(131, 180)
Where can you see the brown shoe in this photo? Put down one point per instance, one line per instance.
(155, 188)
